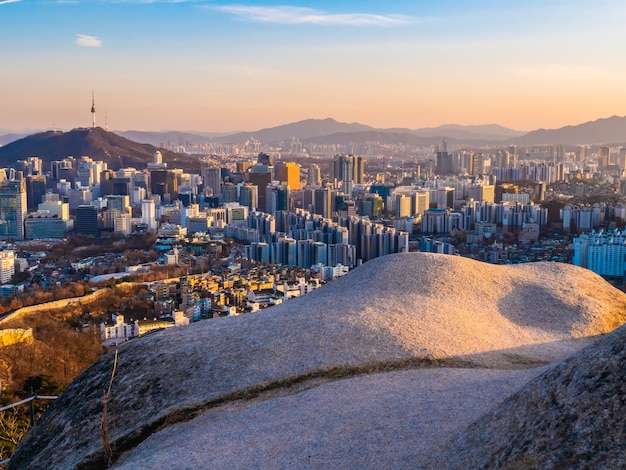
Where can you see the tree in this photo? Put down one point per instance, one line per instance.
(14, 425)
(43, 384)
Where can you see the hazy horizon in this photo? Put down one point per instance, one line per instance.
(216, 66)
(235, 131)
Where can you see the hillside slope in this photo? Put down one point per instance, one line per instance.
(96, 143)
(408, 312)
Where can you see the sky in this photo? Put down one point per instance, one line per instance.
(221, 66)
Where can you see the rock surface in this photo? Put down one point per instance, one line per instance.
(572, 416)
(437, 339)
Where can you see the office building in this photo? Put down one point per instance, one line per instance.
(229, 193)
(35, 190)
(314, 176)
(211, 179)
(164, 183)
(348, 171)
(371, 205)
(277, 198)
(261, 176)
(288, 173)
(13, 209)
(249, 196)
(87, 222)
(322, 202)
(46, 224)
(148, 214)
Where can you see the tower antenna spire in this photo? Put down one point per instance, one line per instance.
(93, 110)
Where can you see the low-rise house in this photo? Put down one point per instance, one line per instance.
(118, 331)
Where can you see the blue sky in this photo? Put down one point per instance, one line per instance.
(223, 66)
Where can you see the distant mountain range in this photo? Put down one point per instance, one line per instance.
(10, 137)
(601, 131)
(99, 144)
(96, 143)
(324, 130)
(300, 130)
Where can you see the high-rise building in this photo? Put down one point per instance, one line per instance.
(359, 169)
(63, 169)
(106, 186)
(78, 197)
(236, 214)
(87, 220)
(476, 166)
(421, 202)
(242, 167)
(53, 205)
(119, 202)
(314, 178)
(148, 213)
(265, 159)
(261, 175)
(621, 160)
(482, 192)
(163, 182)
(229, 193)
(445, 163)
(322, 202)
(212, 179)
(288, 172)
(603, 156)
(347, 171)
(539, 191)
(307, 199)
(111, 183)
(88, 171)
(402, 205)
(35, 190)
(370, 205)
(603, 253)
(13, 209)
(277, 198)
(46, 224)
(249, 196)
(32, 166)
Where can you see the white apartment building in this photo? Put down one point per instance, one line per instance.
(7, 266)
(604, 253)
(119, 331)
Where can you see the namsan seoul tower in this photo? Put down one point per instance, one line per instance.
(93, 110)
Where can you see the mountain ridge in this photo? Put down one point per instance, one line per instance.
(96, 143)
(603, 131)
(315, 128)
(611, 130)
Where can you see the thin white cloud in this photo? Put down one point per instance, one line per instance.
(301, 15)
(152, 1)
(4, 2)
(88, 41)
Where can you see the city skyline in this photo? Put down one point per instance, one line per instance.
(218, 66)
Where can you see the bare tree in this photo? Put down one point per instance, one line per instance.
(13, 427)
